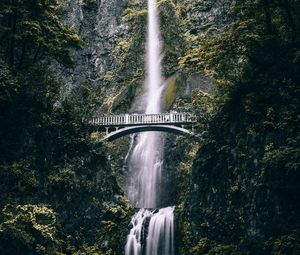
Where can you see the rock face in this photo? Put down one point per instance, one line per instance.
(242, 195)
(112, 58)
(239, 201)
(98, 24)
(205, 14)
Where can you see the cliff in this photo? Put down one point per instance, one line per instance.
(234, 64)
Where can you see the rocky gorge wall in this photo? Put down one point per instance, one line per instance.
(229, 200)
(112, 58)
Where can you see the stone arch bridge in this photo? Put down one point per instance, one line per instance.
(120, 125)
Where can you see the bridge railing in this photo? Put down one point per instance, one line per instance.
(136, 119)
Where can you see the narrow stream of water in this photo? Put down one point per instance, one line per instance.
(152, 230)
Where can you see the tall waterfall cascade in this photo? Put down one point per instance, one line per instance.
(152, 230)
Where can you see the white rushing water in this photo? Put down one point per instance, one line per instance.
(160, 238)
(145, 161)
(134, 239)
(146, 158)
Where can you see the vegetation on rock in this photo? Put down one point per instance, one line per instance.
(235, 186)
(58, 193)
(243, 196)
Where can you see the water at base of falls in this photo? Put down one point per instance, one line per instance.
(152, 232)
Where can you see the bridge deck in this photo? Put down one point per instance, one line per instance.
(143, 119)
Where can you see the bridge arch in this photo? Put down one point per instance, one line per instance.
(145, 128)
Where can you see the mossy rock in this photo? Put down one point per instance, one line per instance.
(170, 92)
(123, 101)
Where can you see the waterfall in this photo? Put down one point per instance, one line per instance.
(146, 158)
(134, 239)
(154, 56)
(152, 231)
(160, 239)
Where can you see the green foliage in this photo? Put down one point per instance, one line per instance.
(55, 183)
(207, 247)
(46, 156)
(286, 245)
(52, 160)
(32, 30)
(27, 227)
(245, 180)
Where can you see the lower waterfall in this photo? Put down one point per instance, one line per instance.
(160, 239)
(135, 237)
(152, 232)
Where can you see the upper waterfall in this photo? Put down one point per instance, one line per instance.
(154, 56)
(145, 161)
